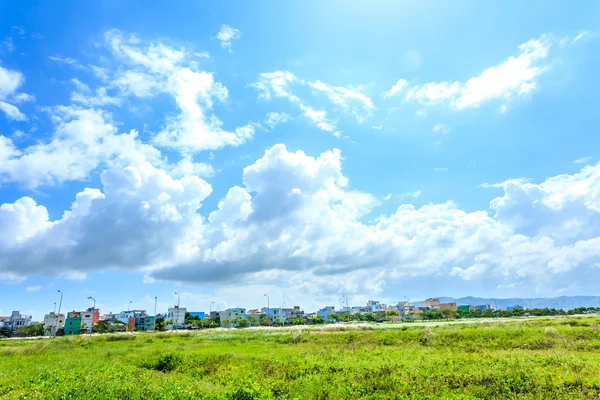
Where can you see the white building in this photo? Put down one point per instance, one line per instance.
(53, 322)
(376, 306)
(177, 314)
(89, 317)
(231, 315)
(15, 321)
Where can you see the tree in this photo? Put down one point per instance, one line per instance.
(252, 321)
(5, 332)
(226, 323)
(241, 323)
(31, 330)
(391, 315)
(264, 321)
(102, 327)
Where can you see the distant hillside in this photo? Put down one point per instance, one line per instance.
(566, 302)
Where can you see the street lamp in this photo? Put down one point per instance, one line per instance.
(347, 309)
(93, 310)
(129, 305)
(59, 305)
(54, 307)
(268, 308)
(282, 317)
(155, 299)
(178, 299)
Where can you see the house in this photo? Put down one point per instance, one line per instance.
(231, 315)
(464, 307)
(376, 306)
(73, 323)
(177, 314)
(448, 307)
(52, 322)
(515, 307)
(15, 321)
(272, 313)
(482, 307)
(325, 312)
(432, 303)
(89, 318)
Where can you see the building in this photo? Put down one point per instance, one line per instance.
(464, 307)
(515, 307)
(432, 303)
(448, 307)
(15, 321)
(482, 307)
(89, 318)
(53, 322)
(215, 314)
(199, 314)
(376, 306)
(73, 323)
(272, 313)
(177, 315)
(325, 312)
(231, 315)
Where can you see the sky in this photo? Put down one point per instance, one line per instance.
(305, 151)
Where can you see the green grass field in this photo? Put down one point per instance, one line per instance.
(544, 358)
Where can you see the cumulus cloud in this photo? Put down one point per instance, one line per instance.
(83, 139)
(226, 35)
(513, 78)
(152, 68)
(295, 218)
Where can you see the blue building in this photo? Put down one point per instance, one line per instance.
(199, 314)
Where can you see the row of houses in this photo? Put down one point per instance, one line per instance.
(77, 322)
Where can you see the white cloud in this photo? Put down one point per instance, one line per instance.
(513, 78)
(12, 112)
(8, 44)
(186, 167)
(100, 99)
(416, 194)
(296, 221)
(226, 35)
(152, 68)
(584, 160)
(440, 170)
(273, 119)
(82, 140)
(19, 30)
(396, 89)
(10, 81)
(319, 118)
(284, 84)
(352, 101)
(441, 128)
(33, 288)
(584, 35)
(377, 127)
(68, 61)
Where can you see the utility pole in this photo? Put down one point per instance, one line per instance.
(347, 312)
(93, 310)
(59, 305)
(54, 307)
(282, 317)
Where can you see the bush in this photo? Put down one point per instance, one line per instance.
(168, 362)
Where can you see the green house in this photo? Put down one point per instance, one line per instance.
(73, 323)
(465, 307)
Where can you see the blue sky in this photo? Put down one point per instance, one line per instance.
(304, 150)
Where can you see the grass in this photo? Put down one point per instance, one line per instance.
(544, 358)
